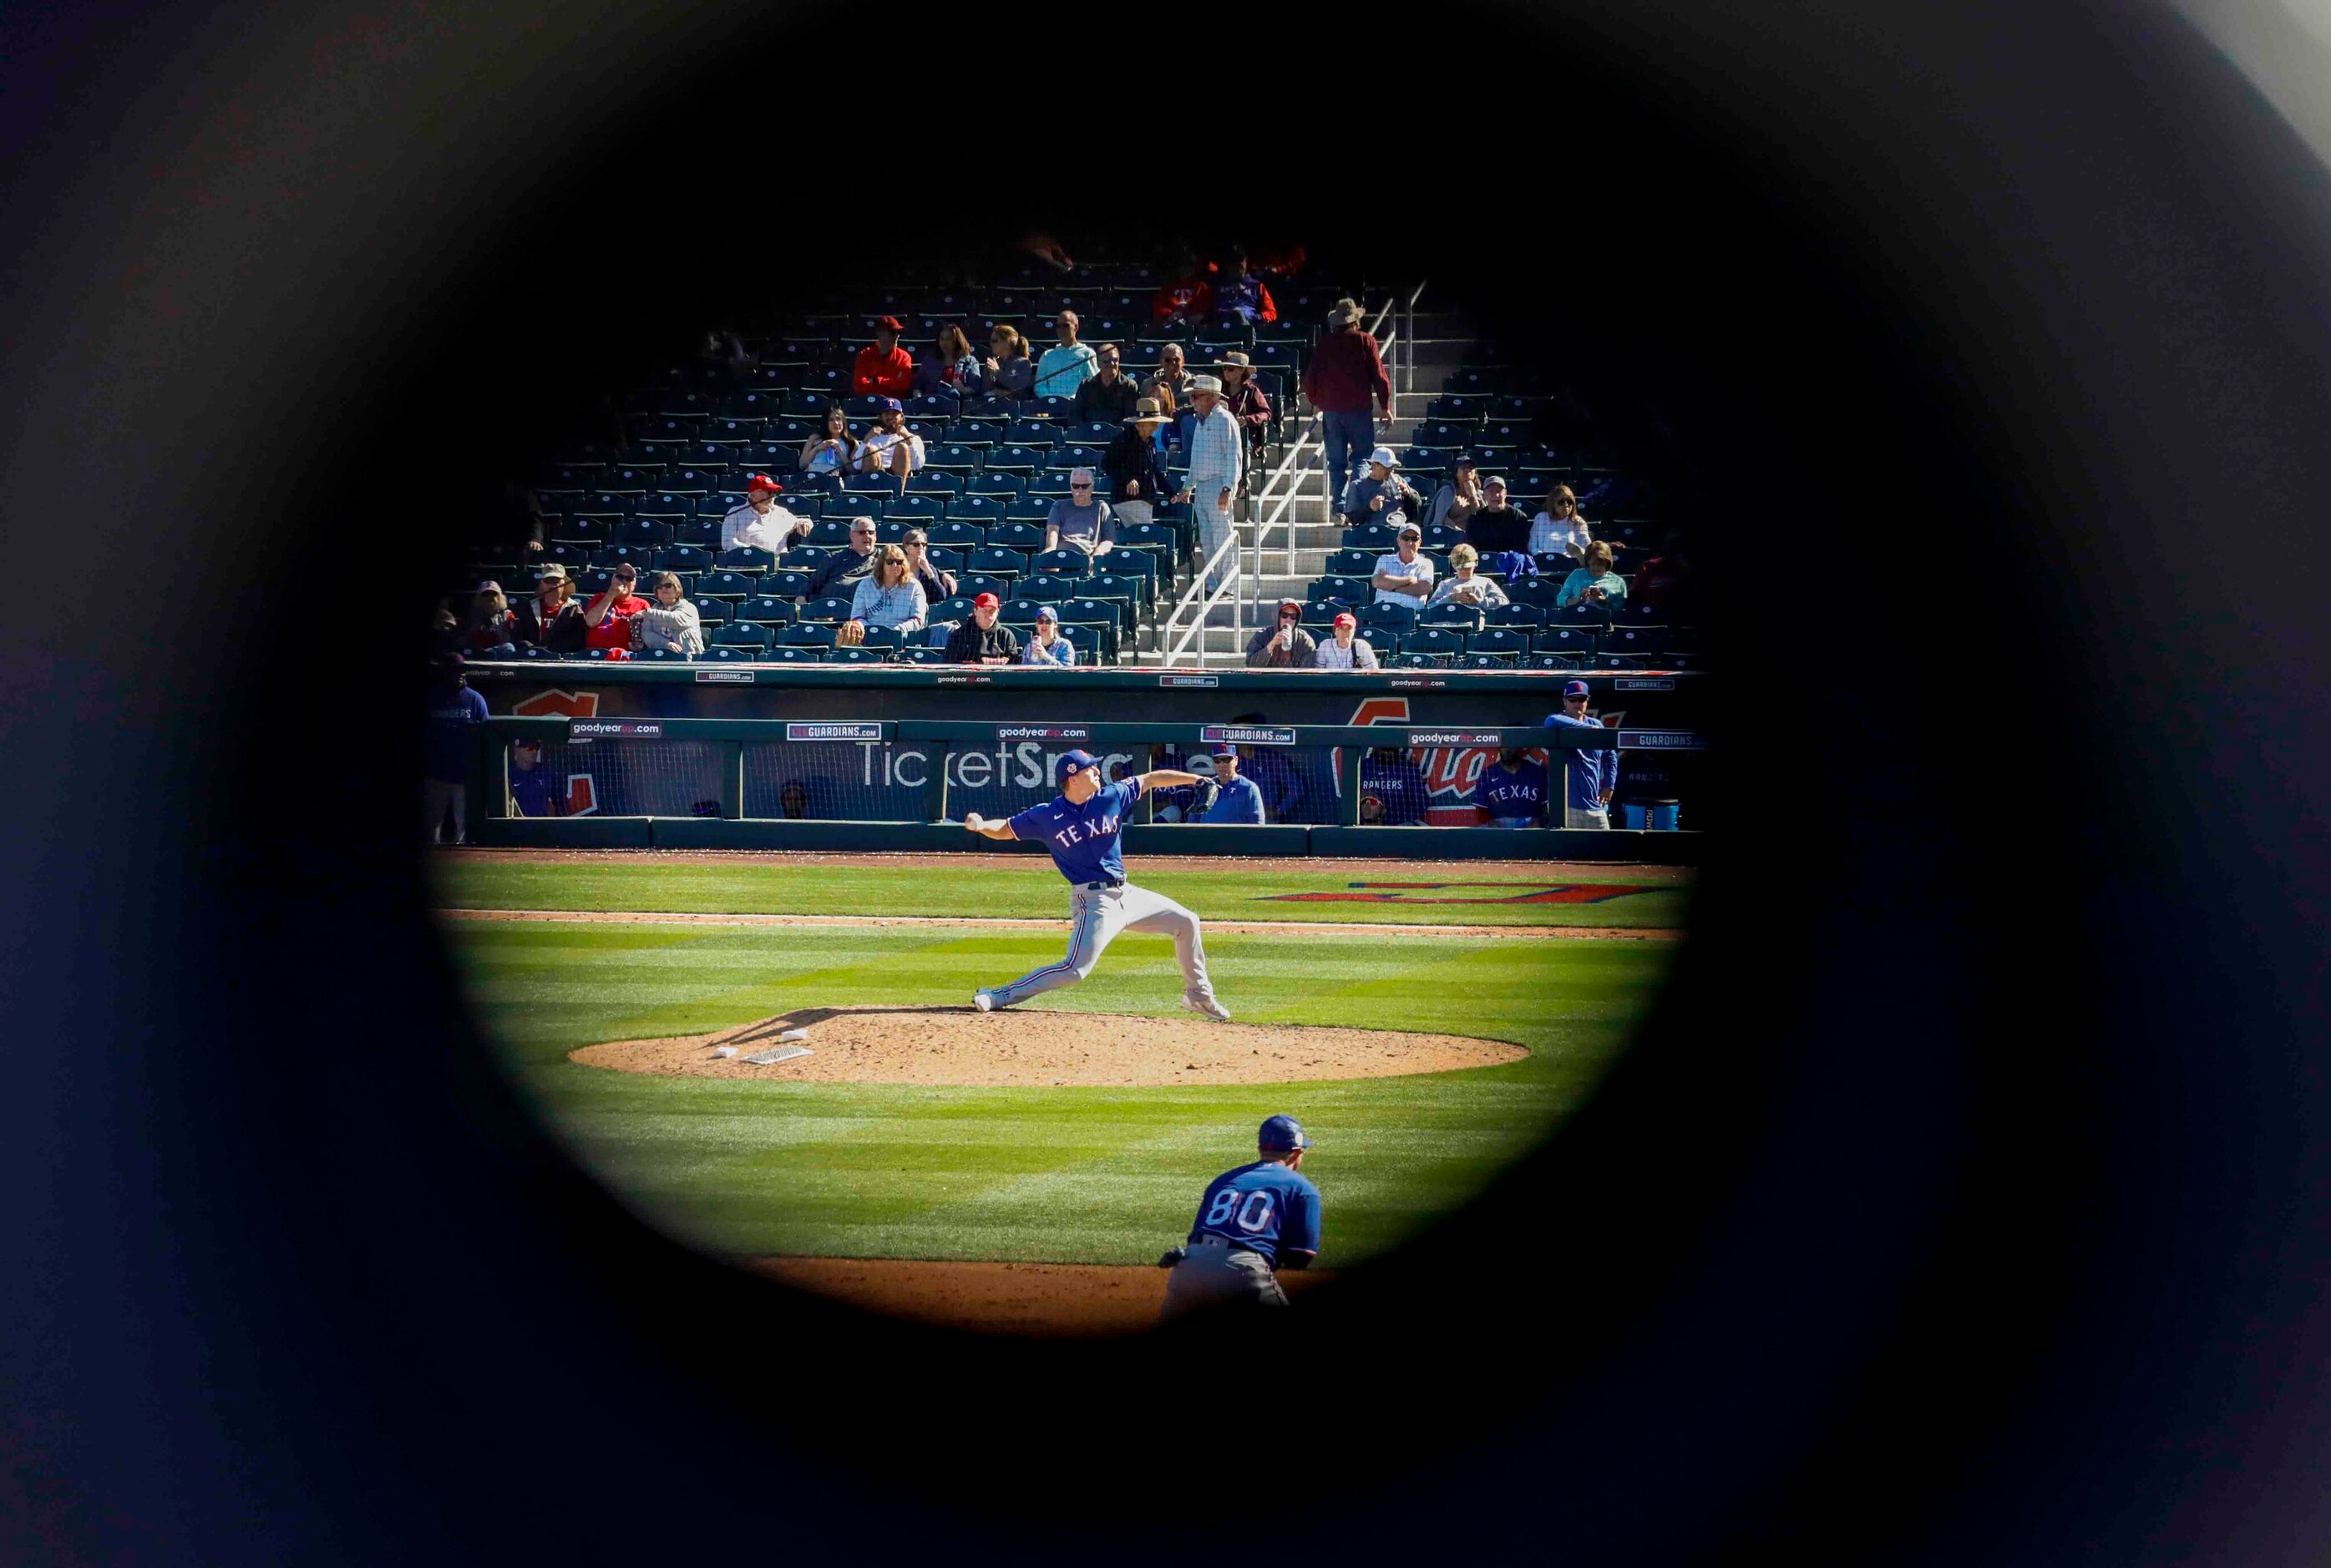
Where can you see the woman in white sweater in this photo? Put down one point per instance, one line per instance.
(671, 622)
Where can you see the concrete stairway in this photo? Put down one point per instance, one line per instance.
(1292, 558)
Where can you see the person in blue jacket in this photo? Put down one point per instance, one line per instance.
(1236, 799)
(1593, 774)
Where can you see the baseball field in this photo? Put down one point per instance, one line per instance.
(1022, 1169)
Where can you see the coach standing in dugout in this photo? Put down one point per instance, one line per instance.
(1593, 774)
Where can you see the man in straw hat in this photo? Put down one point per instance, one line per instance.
(1135, 466)
(1343, 376)
(1217, 466)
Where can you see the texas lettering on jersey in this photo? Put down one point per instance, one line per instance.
(1078, 832)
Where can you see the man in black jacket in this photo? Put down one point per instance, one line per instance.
(980, 641)
(839, 573)
(1107, 395)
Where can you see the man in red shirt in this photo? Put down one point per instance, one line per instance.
(1189, 298)
(885, 369)
(615, 612)
(1345, 375)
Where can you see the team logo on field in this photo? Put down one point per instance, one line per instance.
(1467, 893)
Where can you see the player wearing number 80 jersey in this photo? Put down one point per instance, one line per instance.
(1252, 1221)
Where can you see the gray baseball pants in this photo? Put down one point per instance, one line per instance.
(1215, 1272)
(1096, 915)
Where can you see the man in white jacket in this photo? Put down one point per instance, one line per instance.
(1217, 455)
(760, 524)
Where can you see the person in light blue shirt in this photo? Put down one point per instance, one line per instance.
(1237, 801)
(889, 597)
(1068, 364)
(1594, 583)
(1253, 1222)
(1593, 774)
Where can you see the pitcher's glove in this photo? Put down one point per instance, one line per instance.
(1202, 796)
(1173, 1255)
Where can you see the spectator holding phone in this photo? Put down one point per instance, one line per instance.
(613, 615)
(832, 450)
(1593, 582)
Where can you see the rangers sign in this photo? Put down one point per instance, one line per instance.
(833, 732)
(1245, 734)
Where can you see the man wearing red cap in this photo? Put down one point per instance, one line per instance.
(1344, 650)
(885, 369)
(980, 641)
(760, 524)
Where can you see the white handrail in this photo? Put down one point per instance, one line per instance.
(1227, 549)
(1286, 497)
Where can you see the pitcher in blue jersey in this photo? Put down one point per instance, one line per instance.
(1082, 826)
(1252, 1221)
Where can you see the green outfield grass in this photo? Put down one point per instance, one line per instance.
(1095, 1176)
(1025, 885)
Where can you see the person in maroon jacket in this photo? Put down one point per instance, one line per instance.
(1345, 377)
(885, 369)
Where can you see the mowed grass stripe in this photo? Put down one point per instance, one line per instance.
(1025, 888)
(1087, 1174)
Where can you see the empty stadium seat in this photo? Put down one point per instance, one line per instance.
(790, 653)
(1004, 486)
(971, 585)
(739, 634)
(996, 561)
(1525, 617)
(857, 655)
(1386, 618)
(803, 557)
(1377, 539)
(806, 635)
(789, 583)
(922, 655)
(831, 532)
(765, 610)
(1573, 648)
(745, 558)
(685, 558)
(955, 609)
(831, 610)
(958, 530)
(711, 611)
(1440, 644)
(1504, 643)
(1063, 562)
(1450, 617)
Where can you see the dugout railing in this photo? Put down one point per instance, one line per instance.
(904, 784)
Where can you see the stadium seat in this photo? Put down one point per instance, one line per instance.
(745, 558)
(1585, 617)
(788, 654)
(1320, 618)
(911, 510)
(1377, 539)
(803, 558)
(1643, 641)
(593, 582)
(996, 561)
(920, 654)
(839, 655)
(830, 532)
(1393, 619)
(1021, 460)
(1106, 619)
(791, 583)
(1450, 617)
(766, 610)
(1061, 563)
(1411, 661)
(1004, 486)
(738, 634)
(685, 558)
(955, 609)
(1020, 612)
(1047, 587)
(1502, 643)
(1090, 643)
(885, 638)
(610, 556)
(1440, 644)
(1540, 592)
(959, 530)
(1525, 617)
(1573, 648)
(1130, 586)
(806, 635)
(1032, 432)
(529, 652)
(1350, 563)
(971, 585)
(725, 585)
(1441, 536)
(1100, 432)
(870, 485)
(929, 480)
(831, 610)
(712, 611)
(660, 656)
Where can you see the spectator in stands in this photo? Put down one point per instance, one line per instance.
(533, 793)
(1135, 466)
(613, 615)
(1499, 528)
(1404, 578)
(885, 369)
(760, 524)
(951, 369)
(1081, 522)
(935, 583)
(452, 708)
(832, 450)
(1046, 645)
(1248, 403)
(889, 597)
(492, 629)
(1511, 790)
(1464, 585)
(1459, 496)
(980, 640)
(1187, 298)
(1592, 776)
(890, 447)
(552, 619)
(842, 571)
(671, 622)
(1347, 650)
(1216, 470)
(1007, 372)
(1068, 364)
(1381, 495)
(1592, 581)
(1346, 374)
(1666, 581)
(1240, 296)
(1558, 529)
(792, 799)
(448, 633)
(1173, 377)
(1393, 792)
(1110, 394)
(1285, 645)
(722, 351)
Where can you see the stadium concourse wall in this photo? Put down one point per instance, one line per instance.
(875, 759)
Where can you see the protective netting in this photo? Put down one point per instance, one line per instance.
(625, 777)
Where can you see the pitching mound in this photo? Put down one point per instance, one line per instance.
(963, 1046)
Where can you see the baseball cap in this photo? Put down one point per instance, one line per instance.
(1462, 459)
(1384, 455)
(986, 601)
(550, 570)
(526, 743)
(890, 405)
(1280, 1133)
(1346, 620)
(762, 482)
(1575, 688)
(1046, 613)
(1408, 528)
(1072, 762)
(1296, 603)
(490, 586)
(1218, 749)
(888, 323)
(1497, 479)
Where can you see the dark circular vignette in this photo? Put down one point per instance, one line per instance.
(1957, 1109)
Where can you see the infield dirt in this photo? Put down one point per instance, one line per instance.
(999, 1298)
(965, 1047)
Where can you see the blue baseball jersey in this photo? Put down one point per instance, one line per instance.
(1239, 800)
(535, 791)
(1262, 1207)
(1591, 772)
(1084, 838)
(445, 738)
(1508, 796)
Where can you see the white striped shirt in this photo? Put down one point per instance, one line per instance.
(1332, 656)
(1215, 451)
